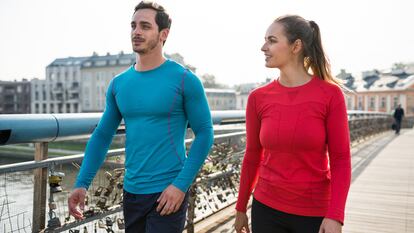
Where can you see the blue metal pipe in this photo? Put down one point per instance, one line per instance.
(25, 128)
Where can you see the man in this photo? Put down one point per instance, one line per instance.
(157, 98)
(398, 116)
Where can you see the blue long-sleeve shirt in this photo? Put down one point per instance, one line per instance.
(156, 106)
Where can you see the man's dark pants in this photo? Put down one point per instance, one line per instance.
(141, 215)
(397, 126)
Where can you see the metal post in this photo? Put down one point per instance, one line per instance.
(191, 208)
(39, 194)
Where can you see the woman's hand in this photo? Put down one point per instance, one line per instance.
(242, 223)
(330, 226)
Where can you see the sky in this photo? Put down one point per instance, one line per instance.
(218, 37)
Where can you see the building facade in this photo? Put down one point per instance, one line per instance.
(63, 81)
(15, 97)
(96, 74)
(221, 99)
(380, 91)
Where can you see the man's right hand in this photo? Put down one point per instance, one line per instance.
(241, 224)
(77, 197)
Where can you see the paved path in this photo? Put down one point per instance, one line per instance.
(381, 198)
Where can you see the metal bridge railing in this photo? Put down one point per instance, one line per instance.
(214, 189)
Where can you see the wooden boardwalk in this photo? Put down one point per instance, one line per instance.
(381, 197)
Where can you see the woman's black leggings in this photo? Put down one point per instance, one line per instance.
(268, 220)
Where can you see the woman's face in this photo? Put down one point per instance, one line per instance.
(277, 49)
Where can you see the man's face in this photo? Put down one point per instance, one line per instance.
(144, 32)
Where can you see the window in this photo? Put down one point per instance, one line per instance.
(100, 63)
(383, 102)
(359, 103)
(396, 100)
(125, 62)
(372, 102)
(60, 108)
(36, 95)
(349, 102)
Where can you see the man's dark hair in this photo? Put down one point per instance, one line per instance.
(162, 18)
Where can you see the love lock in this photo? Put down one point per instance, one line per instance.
(89, 213)
(54, 221)
(52, 205)
(108, 175)
(101, 203)
(120, 185)
(55, 180)
(101, 224)
(112, 181)
(121, 223)
(98, 191)
(108, 190)
(109, 222)
(86, 200)
(118, 172)
(114, 200)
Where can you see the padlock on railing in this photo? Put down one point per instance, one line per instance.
(86, 200)
(108, 190)
(120, 185)
(98, 191)
(52, 205)
(55, 179)
(121, 223)
(101, 224)
(109, 223)
(101, 203)
(54, 221)
(118, 172)
(90, 212)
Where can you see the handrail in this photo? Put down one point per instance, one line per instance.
(28, 128)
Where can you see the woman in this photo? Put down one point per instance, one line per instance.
(298, 150)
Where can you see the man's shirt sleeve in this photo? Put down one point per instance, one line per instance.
(199, 118)
(100, 140)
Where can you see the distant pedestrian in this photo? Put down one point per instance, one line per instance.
(398, 116)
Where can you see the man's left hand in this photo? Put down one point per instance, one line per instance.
(170, 200)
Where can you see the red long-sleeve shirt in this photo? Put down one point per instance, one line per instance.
(297, 156)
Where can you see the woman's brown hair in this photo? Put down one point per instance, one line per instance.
(296, 27)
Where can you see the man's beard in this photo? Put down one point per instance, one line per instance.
(151, 45)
